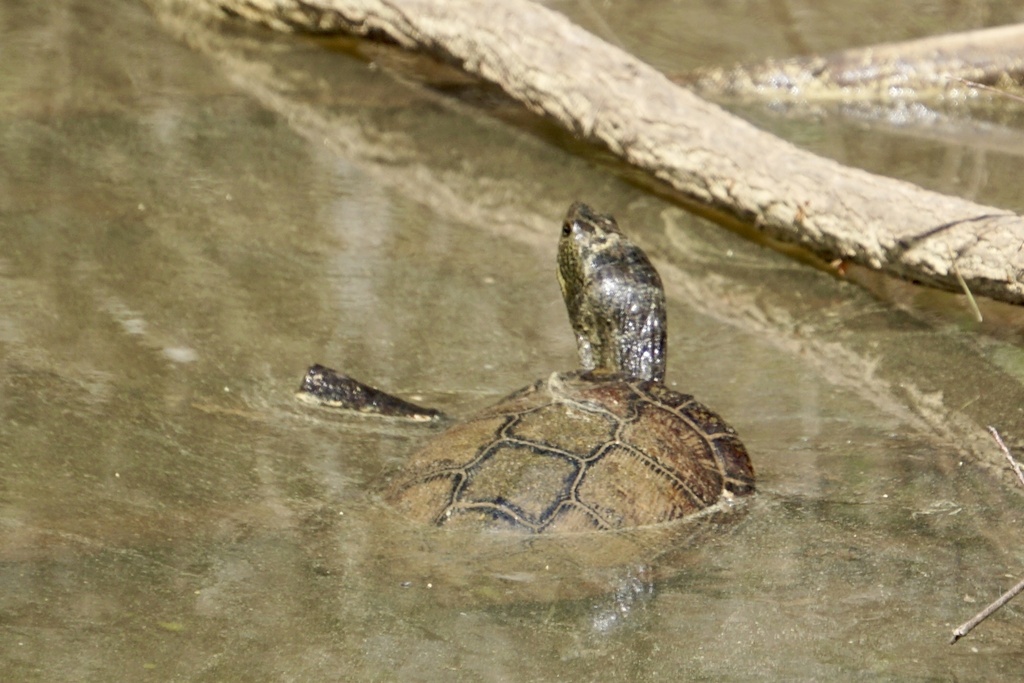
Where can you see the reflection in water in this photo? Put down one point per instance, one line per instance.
(176, 253)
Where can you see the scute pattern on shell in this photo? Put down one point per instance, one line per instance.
(576, 452)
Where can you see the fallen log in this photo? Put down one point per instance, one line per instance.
(707, 156)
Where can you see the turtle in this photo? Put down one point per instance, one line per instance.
(605, 446)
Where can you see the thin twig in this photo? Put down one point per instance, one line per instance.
(905, 243)
(989, 88)
(967, 291)
(1006, 451)
(966, 627)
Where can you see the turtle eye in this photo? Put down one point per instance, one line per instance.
(566, 228)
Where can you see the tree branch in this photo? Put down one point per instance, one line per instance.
(707, 156)
(937, 66)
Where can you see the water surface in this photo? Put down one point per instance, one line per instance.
(191, 217)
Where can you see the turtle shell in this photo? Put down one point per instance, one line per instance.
(577, 452)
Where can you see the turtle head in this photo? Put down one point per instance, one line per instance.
(614, 297)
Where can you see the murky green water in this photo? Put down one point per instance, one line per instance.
(187, 221)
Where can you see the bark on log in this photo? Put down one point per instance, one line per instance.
(917, 69)
(605, 95)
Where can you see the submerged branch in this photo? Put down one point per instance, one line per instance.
(938, 66)
(709, 157)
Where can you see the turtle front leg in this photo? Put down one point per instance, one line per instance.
(326, 387)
